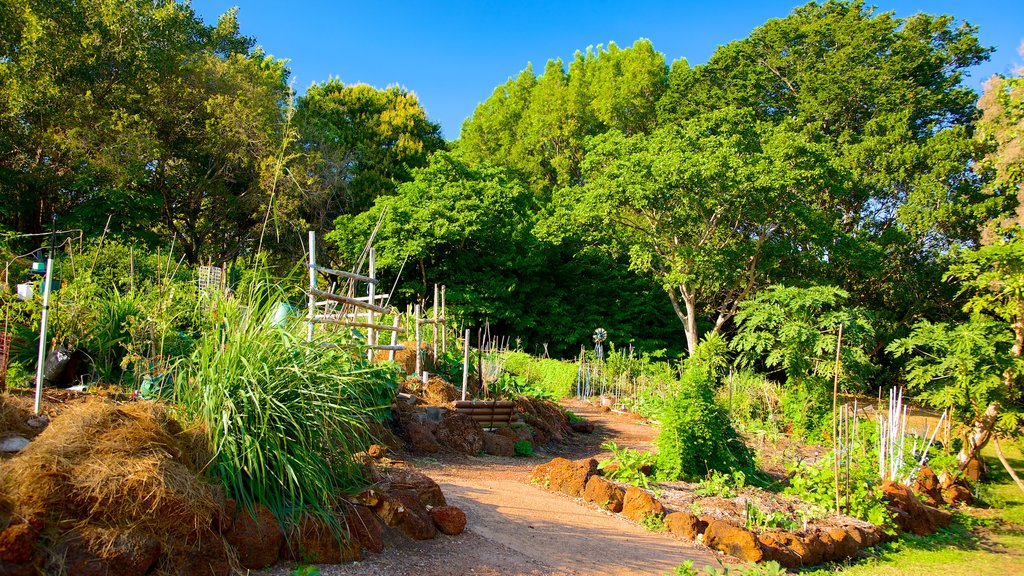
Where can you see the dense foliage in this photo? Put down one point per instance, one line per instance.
(696, 436)
(830, 169)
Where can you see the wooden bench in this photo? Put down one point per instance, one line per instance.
(488, 413)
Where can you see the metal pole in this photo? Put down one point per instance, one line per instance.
(437, 310)
(312, 285)
(45, 318)
(465, 365)
(419, 359)
(370, 334)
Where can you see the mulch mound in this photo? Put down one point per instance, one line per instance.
(107, 482)
(438, 392)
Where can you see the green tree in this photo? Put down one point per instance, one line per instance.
(475, 230)
(359, 143)
(701, 207)
(884, 98)
(963, 367)
(796, 330)
(140, 110)
(538, 126)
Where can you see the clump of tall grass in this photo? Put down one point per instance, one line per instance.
(284, 417)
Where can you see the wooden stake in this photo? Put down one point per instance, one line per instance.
(465, 365)
(312, 285)
(835, 431)
(419, 360)
(1006, 464)
(394, 338)
(444, 323)
(436, 311)
(372, 286)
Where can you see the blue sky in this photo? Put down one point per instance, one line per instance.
(453, 54)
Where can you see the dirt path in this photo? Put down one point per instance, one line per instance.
(518, 528)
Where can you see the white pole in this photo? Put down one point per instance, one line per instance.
(394, 339)
(42, 329)
(437, 306)
(465, 365)
(932, 439)
(419, 366)
(369, 313)
(312, 285)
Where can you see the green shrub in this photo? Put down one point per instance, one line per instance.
(523, 448)
(807, 407)
(723, 485)
(629, 465)
(696, 436)
(815, 483)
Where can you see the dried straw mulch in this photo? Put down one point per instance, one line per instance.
(115, 476)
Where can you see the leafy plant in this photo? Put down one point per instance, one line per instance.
(759, 519)
(654, 523)
(627, 465)
(815, 483)
(523, 448)
(284, 417)
(572, 416)
(723, 485)
(696, 436)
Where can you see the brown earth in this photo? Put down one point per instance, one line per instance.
(514, 527)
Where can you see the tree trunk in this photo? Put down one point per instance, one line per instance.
(688, 317)
(978, 436)
(1006, 463)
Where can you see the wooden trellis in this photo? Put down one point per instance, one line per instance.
(438, 321)
(347, 309)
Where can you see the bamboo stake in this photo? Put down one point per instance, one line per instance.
(835, 432)
(436, 311)
(419, 360)
(394, 338)
(444, 321)
(465, 365)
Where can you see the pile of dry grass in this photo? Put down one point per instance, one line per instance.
(406, 358)
(438, 391)
(14, 413)
(123, 468)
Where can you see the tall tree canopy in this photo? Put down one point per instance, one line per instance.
(140, 110)
(538, 125)
(359, 143)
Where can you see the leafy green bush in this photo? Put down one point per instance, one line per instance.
(284, 416)
(815, 483)
(723, 485)
(523, 448)
(696, 436)
(627, 465)
(807, 407)
(757, 519)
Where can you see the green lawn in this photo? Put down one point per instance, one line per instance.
(996, 547)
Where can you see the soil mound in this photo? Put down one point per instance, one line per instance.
(119, 469)
(438, 392)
